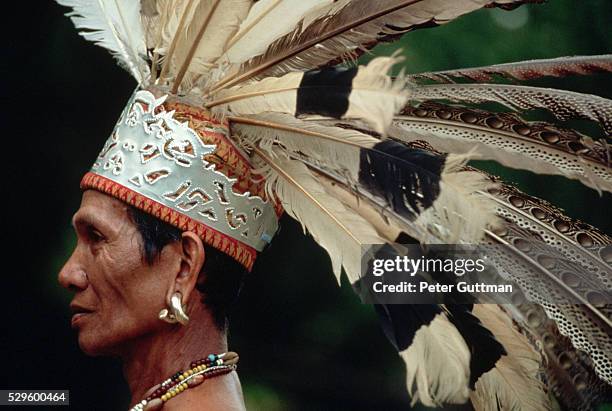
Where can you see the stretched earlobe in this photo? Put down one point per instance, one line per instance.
(176, 312)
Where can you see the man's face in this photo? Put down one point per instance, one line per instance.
(117, 295)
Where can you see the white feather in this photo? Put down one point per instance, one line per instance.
(342, 31)
(268, 20)
(270, 94)
(460, 214)
(374, 97)
(116, 26)
(222, 24)
(378, 96)
(381, 220)
(437, 364)
(339, 230)
(170, 14)
(332, 147)
(513, 385)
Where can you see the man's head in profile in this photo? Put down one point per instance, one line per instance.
(165, 235)
(126, 266)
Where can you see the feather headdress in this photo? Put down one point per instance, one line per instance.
(258, 95)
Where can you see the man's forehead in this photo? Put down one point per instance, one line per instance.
(96, 205)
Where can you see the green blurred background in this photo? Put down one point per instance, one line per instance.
(304, 342)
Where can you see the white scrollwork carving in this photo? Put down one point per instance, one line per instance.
(161, 158)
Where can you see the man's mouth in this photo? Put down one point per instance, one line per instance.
(78, 313)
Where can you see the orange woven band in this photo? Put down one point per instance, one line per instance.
(177, 163)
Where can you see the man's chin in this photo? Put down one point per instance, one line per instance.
(94, 347)
(90, 349)
(106, 340)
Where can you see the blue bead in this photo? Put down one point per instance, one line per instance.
(212, 357)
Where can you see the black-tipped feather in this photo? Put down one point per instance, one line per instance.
(399, 182)
(325, 92)
(484, 348)
(400, 322)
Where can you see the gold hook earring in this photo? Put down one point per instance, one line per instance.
(177, 313)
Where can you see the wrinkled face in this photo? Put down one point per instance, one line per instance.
(117, 294)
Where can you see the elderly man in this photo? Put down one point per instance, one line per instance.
(157, 294)
(241, 112)
(125, 266)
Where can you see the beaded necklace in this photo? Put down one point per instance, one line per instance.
(199, 371)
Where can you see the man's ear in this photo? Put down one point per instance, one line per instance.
(192, 260)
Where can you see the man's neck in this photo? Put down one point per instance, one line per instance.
(154, 358)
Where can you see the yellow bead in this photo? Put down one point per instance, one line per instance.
(164, 397)
(185, 386)
(190, 372)
(181, 378)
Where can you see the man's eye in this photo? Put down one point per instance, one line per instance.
(95, 235)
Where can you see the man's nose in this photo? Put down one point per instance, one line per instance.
(72, 276)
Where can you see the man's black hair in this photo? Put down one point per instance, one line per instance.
(221, 277)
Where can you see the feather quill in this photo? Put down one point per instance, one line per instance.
(203, 13)
(172, 28)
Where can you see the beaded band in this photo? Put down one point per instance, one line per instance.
(209, 367)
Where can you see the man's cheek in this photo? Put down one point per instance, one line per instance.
(122, 258)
